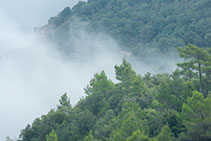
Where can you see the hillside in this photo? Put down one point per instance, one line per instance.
(138, 24)
(161, 107)
(173, 106)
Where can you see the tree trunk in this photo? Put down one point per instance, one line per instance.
(200, 78)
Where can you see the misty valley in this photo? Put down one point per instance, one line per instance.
(107, 70)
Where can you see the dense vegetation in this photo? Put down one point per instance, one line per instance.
(138, 24)
(161, 107)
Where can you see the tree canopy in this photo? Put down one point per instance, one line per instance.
(137, 24)
(151, 107)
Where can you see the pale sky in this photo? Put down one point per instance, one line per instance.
(31, 13)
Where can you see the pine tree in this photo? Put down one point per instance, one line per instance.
(195, 58)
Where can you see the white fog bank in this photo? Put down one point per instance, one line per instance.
(28, 14)
(33, 75)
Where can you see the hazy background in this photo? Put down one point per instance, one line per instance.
(28, 14)
(33, 75)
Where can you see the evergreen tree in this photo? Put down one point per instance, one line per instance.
(64, 101)
(196, 58)
(197, 118)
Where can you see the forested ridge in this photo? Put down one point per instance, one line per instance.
(138, 24)
(160, 107)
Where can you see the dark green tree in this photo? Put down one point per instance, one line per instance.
(64, 101)
(196, 58)
(197, 118)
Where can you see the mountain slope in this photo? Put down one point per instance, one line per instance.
(139, 24)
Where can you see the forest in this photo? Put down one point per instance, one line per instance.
(160, 107)
(137, 24)
(172, 106)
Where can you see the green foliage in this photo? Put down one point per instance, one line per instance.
(44, 125)
(131, 86)
(98, 91)
(161, 107)
(62, 16)
(138, 136)
(154, 121)
(52, 136)
(89, 137)
(165, 134)
(64, 101)
(196, 59)
(140, 24)
(197, 107)
(197, 118)
(104, 126)
(124, 72)
(169, 93)
(128, 121)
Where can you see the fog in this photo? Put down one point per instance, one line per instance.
(33, 74)
(28, 14)
(32, 77)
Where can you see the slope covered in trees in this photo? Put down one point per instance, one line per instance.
(161, 107)
(138, 24)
